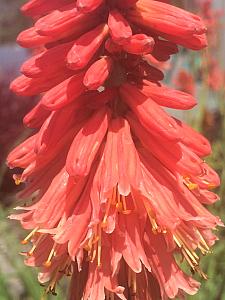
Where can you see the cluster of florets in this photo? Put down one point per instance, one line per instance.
(114, 185)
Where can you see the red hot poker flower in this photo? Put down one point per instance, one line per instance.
(118, 185)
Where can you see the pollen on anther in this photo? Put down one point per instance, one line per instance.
(17, 181)
(47, 264)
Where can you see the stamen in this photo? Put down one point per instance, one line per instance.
(88, 245)
(190, 185)
(177, 241)
(96, 241)
(67, 268)
(203, 250)
(31, 252)
(119, 204)
(203, 246)
(52, 253)
(94, 252)
(191, 254)
(154, 224)
(24, 253)
(52, 285)
(95, 234)
(210, 185)
(114, 196)
(25, 241)
(189, 250)
(93, 241)
(203, 242)
(17, 181)
(191, 257)
(201, 273)
(99, 246)
(110, 202)
(188, 258)
(155, 228)
(125, 210)
(132, 282)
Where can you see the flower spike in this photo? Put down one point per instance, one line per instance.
(118, 186)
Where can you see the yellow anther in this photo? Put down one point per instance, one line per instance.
(104, 224)
(52, 253)
(202, 245)
(155, 228)
(52, 285)
(191, 257)
(211, 186)
(47, 264)
(17, 181)
(31, 252)
(119, 207)
(190, 185)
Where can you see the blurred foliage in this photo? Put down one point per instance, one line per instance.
(10, 11)
(17, 281)
(214, 264)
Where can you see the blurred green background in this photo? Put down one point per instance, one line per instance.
(188, 71)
